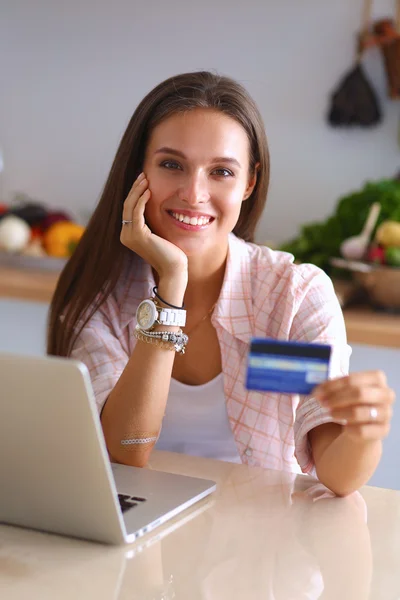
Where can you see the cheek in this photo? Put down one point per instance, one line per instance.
(232, 195)
(161, 187)
(229, 208)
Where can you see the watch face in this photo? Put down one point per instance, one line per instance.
(146, 314)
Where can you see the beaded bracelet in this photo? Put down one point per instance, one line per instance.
(176, 337)
(151, 338)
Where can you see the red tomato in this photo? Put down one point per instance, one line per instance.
(376, 255)
(36, 233)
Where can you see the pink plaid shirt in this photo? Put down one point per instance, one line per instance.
(264, 295)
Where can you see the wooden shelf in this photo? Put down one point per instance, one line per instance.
(33, 285)
(363, 324)
(367, 326)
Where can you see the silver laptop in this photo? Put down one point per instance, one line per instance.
(55, 474)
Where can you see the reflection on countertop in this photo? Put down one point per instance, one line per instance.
(264, 534)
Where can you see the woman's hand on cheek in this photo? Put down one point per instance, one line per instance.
(166, 258)
(361, 402)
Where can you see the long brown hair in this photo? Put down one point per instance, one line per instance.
(92, 272)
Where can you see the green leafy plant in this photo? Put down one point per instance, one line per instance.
(320, 241)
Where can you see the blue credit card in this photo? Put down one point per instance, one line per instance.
(286, 367)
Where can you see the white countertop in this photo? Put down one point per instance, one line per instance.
(263, 535)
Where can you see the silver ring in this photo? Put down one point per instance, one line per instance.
(373, 413)
(126, 222)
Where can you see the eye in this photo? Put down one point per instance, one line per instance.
(223, 173)
(170, 164)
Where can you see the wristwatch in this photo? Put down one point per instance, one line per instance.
(149, 314)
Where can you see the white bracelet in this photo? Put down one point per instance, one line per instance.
(138, 441)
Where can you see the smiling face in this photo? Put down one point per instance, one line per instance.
(197, 165)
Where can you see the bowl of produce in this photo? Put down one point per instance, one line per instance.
(318, 242)
(379, 271)
(33, 235)
(381, 283)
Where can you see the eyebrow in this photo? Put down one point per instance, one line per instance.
(225, 159)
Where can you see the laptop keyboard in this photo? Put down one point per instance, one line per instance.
(126, 502)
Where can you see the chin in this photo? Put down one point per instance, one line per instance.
(191, 247)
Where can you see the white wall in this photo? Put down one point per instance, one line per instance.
(72, 73)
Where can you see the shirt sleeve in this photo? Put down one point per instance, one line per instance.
(318, 319)
(102, 350)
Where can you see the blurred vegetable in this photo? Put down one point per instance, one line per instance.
(392, 255)
(53, 217)
(376, 255)
(31, 212)
(36, 233)
(388, 234)
(61, 238)
(14, 234)
(34, 248)
(318, 242)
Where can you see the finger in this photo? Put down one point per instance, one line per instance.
(372, 378)
(133, 198)
(364, 433)
(138, 179)
(137, 183)
(132, 233)
(363, 414)
(138, 211)
(358, 395)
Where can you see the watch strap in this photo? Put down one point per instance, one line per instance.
(171, 317)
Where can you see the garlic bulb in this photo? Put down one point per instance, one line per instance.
(15, 234)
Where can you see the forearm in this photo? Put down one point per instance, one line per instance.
(136, 405)
(345, 465)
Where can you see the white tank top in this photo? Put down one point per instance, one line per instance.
(196, 421)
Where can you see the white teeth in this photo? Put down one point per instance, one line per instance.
(191, 220)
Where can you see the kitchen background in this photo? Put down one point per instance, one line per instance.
(73, 73)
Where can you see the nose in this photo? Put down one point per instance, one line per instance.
(195, 189)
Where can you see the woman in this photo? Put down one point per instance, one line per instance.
(192, 168)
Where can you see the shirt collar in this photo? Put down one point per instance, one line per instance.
(234, 309)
